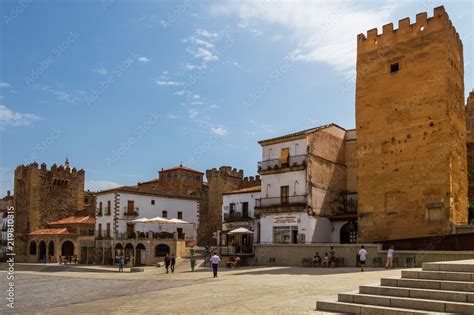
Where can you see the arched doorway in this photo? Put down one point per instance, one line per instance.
(140, 256)
(67, 249)
(348, 233)
(161, 250)
(33, 248)
(51, 249)
(129, 252)
(42, 251)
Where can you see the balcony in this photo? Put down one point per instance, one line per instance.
(102, 235)
(235, 216)
(295, 203)
(130, 212)
(297, 162)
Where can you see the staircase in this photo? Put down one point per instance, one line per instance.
(437, 288)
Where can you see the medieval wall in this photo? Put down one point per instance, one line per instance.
(43, 195)
(470, 145)
(410, 129)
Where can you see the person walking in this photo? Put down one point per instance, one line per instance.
(193, 259)
(362, 257)
(167, 263)
(215, 259)
(332, 257)
(173, 262)
(389, 264)
(121, 263)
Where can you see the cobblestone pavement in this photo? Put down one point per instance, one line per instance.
(246, 290)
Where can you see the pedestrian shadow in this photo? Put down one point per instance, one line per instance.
(284, 270)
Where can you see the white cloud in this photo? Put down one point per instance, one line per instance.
(219, 131)
(196, 96)
(96, 185)
(10, 118)
(202, 32)
(100, 70)
(193, 113)
(167, 83)
(324, 31)
(61, 95)
(172, 116)
(180, 93)
(4, 85)
(197, 103)
(144, 59)
(205, 55)
(199, 42)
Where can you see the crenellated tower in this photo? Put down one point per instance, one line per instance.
(43, 195)
(411, 129)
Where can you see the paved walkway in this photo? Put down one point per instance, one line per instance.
(246, 290)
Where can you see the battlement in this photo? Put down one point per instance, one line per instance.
(54, 171)
(423, 26)
(224, 171)
(251, 181)
(470, 98)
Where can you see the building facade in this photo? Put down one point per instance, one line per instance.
(5, 203)
(304, 187)
(43, 195)
(410, 119)
(116, 233)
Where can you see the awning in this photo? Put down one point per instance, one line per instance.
(178, 221)
(240, 230)
(141, 220)
(158, 220)
(284, 155)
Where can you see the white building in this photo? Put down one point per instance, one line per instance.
(238, 211)
(117, 208)
(304, 187)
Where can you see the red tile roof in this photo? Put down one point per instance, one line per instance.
(63, 231)
(181, 167)
(74, 220)
(244, 190)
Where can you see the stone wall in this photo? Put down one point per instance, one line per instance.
(292, 255)
(43, 195)
(410, 129)
(470, 144)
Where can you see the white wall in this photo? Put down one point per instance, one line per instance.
(271, 152)
(271, 183)
(188, 207)
(238, 199)
(315, 229)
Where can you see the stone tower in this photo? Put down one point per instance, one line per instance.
(220, 181)
(43, 195)
(410, 120)
(470, 144)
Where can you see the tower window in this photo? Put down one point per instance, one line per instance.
(394, 67)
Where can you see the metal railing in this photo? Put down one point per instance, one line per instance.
(235, 216)
(296, 160)
(281, 201)
(130, 211)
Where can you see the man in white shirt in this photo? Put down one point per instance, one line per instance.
(362, 257)
(389, 264)
(215, 263)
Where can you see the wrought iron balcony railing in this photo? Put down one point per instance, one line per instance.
(281, 201)
(132, 212)
(296, 160)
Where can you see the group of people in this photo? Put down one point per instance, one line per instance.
(67, 260)
(232, 261)
(329, 259)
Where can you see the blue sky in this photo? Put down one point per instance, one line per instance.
(125, 88)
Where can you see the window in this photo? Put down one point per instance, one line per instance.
(284, 156)
(107, 232)
(245, 209)
(109, 207)
(232, 207)
(165, 214)
(130, 207)
(33, 248)
(180, 233)
(100, 208)
(394, 67)
(180, 215)
(99, 235)
(285, 234)
(161, 250)
(435, 214)
(284, 194)
(152, 202)
(198, 179)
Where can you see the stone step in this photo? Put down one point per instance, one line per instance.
(354, 308)
(453, 296)
(456, 266)
(428, 284)
(438, 275)
(408, 303)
